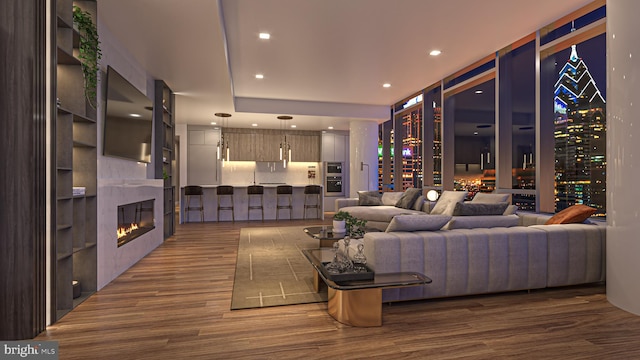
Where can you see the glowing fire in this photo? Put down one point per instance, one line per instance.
(124, 231)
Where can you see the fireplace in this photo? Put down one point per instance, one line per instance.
(134, 220)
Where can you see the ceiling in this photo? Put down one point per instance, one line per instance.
(326, 60)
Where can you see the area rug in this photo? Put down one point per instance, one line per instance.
(271, 269)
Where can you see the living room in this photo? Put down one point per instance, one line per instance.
(362, 158)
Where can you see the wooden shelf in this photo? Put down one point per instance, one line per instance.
(76, 165)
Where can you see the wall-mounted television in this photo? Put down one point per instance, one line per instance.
(128, 121)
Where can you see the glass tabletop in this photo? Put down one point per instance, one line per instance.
(323, 233)
(318, 257)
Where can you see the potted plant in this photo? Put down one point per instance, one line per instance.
(343, 222)
(89, 52)
(340, 221)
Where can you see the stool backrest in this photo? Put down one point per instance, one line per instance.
(312, 189)
(284, 189)
(193, 190)
(255, 190)
(225, 190)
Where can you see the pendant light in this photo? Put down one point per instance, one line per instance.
(222, 149)
(285, 146)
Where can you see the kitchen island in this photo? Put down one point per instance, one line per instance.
(240, 199)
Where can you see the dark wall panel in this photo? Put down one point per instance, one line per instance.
(22, 158)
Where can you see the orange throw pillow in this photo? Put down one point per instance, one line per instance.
(573, 214)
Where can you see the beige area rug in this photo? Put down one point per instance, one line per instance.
(271, 270)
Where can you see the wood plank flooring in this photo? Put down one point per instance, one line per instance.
(174, 304)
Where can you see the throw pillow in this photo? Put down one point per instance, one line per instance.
(408, 198)
(573, 214)
(447, 202)
(369, 198)
(490, 198)
(511, 209)
(474, 209)
(390, 198)
(419, 203)
(417, 222)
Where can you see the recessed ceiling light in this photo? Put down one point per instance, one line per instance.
(330, 128)
(475, 133)
(293, 126)
(135, 115)
(259, 76)
(386, 85)
(479, 91)
(435, 52)
(214, 123)
(265, 36)
(254, 125)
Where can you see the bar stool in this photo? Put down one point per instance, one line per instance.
(312, 192)
(190, 192)
(253, 191)
(286, 191)
(222, 191)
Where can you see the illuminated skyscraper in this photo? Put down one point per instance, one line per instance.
(580, 137)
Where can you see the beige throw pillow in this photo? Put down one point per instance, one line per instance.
(447, 202)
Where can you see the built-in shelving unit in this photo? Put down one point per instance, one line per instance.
(76, 167)
(164, 133)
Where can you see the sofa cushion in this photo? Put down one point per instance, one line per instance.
(408, 198)
(447, 202)
(490, 198)
(369, 198)
(391, 198)
(382, 213)
(573, 214)
(417, 222)
(419, 203)
(472, 209)
(481, 221)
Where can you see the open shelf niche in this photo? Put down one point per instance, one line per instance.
(76, 169)
(164, 156)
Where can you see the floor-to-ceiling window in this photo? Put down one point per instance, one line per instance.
(517, 100)
(577, 67)
(470, 108)
(408, 132)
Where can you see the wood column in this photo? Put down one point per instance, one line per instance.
(23, 195)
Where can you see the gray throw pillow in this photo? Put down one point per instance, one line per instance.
(408, 198)
(417, 222)
(476, 208)
(490, 198)
(369, 198)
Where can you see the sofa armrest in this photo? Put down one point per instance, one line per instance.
(344, 202)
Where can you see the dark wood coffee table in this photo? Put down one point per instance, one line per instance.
(357, 303)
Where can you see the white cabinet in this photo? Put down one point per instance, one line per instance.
(334, 147)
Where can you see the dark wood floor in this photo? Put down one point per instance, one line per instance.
(174, 304)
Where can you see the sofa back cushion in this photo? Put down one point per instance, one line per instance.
(391, 198)
(417, 222)
(477, 208)
(447, 202)
(481, 221)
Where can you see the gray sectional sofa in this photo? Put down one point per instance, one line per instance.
(489, 260)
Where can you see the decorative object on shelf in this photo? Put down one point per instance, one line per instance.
(77, 288)
(222, 149)
(89, 52)
(285, 147)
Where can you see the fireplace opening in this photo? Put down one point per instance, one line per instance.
(134, 220)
